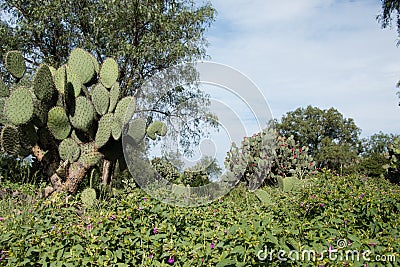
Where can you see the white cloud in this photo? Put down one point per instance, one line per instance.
(322, 53)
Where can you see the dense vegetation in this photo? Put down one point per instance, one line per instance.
(132, 229)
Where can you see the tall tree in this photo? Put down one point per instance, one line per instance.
(144, 36)
(332, 139)
(390, 10)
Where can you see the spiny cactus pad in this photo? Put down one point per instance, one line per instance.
(95, 63)
(60, 79)
(83, 115)
(58, 123)
(116, 128)
(81, 62)
(100, 98)
(10, 140)
(15, 64)
(109, 72)
(137, 130)
(3, 119)
(104, 130)
(74, 80)
(4, 91)
(158, 128)
(19, 106)
(288, 184)
(114, 95)
(88, 197)
(125, 109)
(43, 83)
(69, 150)
(89, 155)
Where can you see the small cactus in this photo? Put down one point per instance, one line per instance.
(88, 197)
(114, 95)
(19, 106)
(83, 115)
(69, 150)
(81, 62)
(109, 72)
(100, 99)
(158, 128)
(58, 123)
(15, 64)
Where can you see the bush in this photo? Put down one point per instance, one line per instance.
(266, 156)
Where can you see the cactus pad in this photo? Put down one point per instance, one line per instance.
(109, 72)
(95, 64)
(116, 128)
(60, 79)
(83, 114)
(74, 80)
(19, 106)
(58, 123)
(3, 119)
(43, 84)
(288, 184)
(137, 130)
(125, 109)
(100, 99)
(10, 140)
(104, 130)
(88, 197)
(158, 128)
(81, 62)
(69, 150)
(89, 154)
(114, 95)
(4, 91)
(15, 64)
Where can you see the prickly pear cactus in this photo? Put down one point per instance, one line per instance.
(68, 117)
(267, 156)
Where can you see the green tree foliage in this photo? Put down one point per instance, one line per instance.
(374, 154)
(333, 140)
(144, 36)
(390, 10)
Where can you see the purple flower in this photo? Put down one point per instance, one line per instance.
(155, 230)
(362, 195)
(129, 217)
(2, 219)
(145, 199)
(150, 256)
(139, 208)
(113, 217)
(346, 221)
(99, 223)
(212, 245)
(321, 204)
(202, 260)
(301, 204)
(88, 226)
(171, 260)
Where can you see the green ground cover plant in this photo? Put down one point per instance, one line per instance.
(133, 229)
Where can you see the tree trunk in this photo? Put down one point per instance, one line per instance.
(108, 170)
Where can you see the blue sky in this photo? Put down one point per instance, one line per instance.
(322, 53)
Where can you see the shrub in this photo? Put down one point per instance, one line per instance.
(266, 156)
